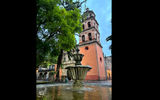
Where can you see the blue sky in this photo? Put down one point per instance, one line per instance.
(102, 9)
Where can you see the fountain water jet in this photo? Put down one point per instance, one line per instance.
(78, 72)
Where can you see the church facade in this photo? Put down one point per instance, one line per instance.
(90, 46)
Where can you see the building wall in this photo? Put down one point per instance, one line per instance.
(94, 53)
(66, 62)
(95, 35)
(108, 65)
(101, 63)
(93, 23)
(90, 59)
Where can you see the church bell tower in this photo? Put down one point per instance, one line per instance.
(90, 46)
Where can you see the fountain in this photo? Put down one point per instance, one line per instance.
(77, 90)
(78, 72)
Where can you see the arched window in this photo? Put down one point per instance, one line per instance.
(89, 24)
(83, 26)
(90, 36)
(83, 38)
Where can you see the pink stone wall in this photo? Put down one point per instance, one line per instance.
(101, 63)
(92, 58)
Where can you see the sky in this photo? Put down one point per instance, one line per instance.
(102, 9)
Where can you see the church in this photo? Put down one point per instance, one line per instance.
(90, 47)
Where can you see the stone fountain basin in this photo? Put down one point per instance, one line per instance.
(78, 74)
(80, 66)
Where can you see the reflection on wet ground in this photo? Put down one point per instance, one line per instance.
(64, 92)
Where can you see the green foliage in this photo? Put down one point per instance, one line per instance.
(62, 66)
(56, 26)
(52, 73)
(72, 4)
(46, 54)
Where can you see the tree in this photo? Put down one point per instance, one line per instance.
(57, 22)
(109, 38)
(46, 54)
(69, 5)
(44, 46)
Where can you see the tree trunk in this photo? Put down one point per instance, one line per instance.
(59, 62)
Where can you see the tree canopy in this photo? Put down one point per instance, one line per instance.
(57, 22)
